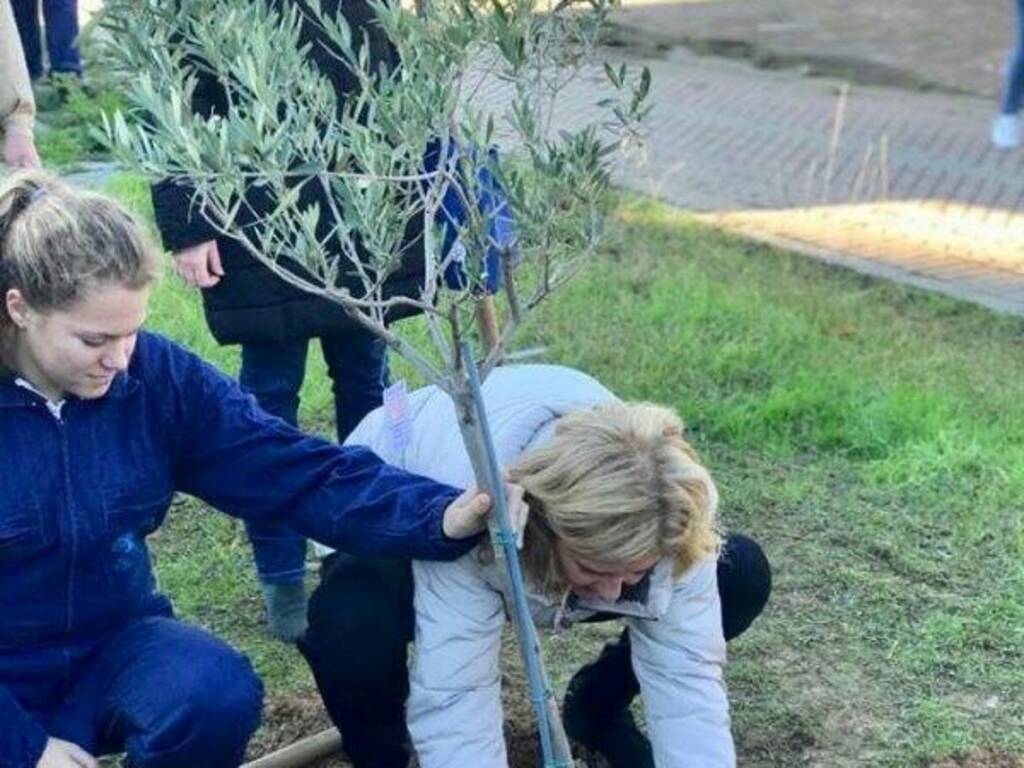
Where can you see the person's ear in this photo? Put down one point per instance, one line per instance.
(17, 308)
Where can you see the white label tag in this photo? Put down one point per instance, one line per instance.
(396, 407)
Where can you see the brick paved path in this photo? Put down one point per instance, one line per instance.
(905, 186)
(951, 44)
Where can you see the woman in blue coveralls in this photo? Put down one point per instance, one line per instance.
(100, 424)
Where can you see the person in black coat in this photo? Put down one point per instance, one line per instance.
(247, 304)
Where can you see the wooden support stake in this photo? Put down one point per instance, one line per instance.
(301, 753)
(487, 322)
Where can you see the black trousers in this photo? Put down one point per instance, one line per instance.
(361, 621)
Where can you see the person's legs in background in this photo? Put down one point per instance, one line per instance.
(357, 363)
(1006, 128)
(26, 16)
(273, 374)
(596, 710)
(360, 617)
(361, 621)
(61, 20)
(168, 694)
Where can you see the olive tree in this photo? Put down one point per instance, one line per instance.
(412, 143)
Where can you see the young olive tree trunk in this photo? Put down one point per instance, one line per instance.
(320, 176)
(472, 416)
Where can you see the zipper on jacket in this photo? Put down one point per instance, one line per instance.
(68, 517)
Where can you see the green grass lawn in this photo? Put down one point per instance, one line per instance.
(871, 436)
(67, 121)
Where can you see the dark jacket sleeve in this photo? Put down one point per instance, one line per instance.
(279, 552)
(179, 223)
(177, 218)
(22, 739)
(252, 465)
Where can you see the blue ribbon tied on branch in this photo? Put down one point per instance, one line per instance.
(492, 205)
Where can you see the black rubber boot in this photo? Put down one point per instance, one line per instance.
(596, 709)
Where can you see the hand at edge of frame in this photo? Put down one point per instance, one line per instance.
(467, 515)
(64, 754)
(199, 265)
(20, 150)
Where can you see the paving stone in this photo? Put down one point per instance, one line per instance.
(905, 171)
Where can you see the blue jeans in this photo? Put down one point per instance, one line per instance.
(169, 694)
(273, 373)
(1013, 91)
(61, 18)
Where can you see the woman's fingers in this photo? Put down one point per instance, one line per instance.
(65, 754)
(194, 264)
(82, 757)
(467, 515)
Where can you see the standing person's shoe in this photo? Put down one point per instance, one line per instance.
(285, 605)
(612, 734)
(1006, 131)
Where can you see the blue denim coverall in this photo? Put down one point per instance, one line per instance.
(89, 651)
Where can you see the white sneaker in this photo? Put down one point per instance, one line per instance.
(1006, 131)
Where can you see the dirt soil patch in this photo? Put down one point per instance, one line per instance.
(288, 719)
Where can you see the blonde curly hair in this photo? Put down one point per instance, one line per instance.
(617, 483)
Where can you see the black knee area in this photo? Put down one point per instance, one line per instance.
(607, 684)
(744, 583)
(360, 621)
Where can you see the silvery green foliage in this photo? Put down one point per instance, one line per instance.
(284, 128)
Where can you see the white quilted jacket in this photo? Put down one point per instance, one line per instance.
(454, 705)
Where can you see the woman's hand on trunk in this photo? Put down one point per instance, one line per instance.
(467, 515)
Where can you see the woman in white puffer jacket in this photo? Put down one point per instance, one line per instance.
(622, 526)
